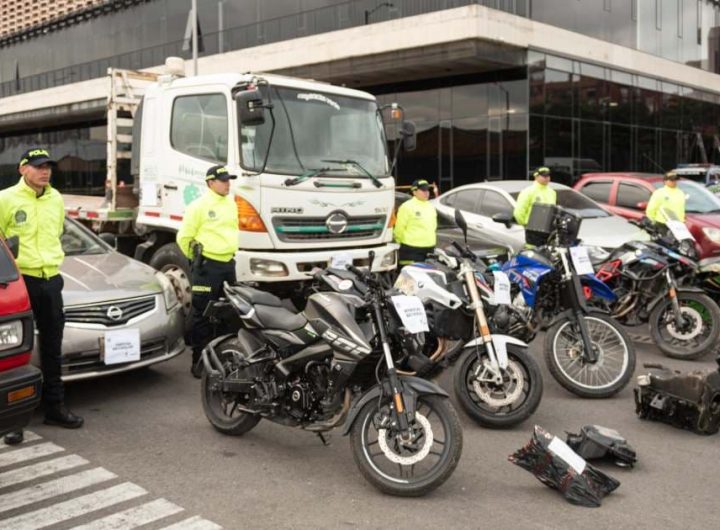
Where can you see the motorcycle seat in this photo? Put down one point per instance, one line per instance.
(256, 296)
(273, 317)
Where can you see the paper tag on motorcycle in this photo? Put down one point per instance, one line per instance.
(581, 260)
(501, 291)
(679, 230)
(412, 313)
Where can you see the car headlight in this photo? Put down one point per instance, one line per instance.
(11, 335)
(171, 299)
(597, 254)
(713, 234)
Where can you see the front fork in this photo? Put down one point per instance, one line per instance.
(674, 303)
(476, 305)
(589, 352)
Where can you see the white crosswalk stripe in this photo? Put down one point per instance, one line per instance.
(85, 494)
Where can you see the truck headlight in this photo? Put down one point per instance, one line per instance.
(713, 234)
(267, 267)
(11, 335)
(389, 259)
(168, 291)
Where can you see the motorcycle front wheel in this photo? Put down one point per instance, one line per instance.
(414, 467)
(498, 404)
(221, 408)
(697, 337)
(600, 379)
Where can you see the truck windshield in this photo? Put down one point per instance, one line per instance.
(312, 128)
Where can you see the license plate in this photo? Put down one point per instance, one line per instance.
(120, 346)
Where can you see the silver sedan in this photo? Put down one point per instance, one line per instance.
(120, 314)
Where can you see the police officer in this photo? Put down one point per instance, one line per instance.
(209, 237)
(416, 225)
(539, 192)
(669, 198)
(34, 211)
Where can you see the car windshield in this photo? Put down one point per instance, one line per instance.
(329, 134)
(77, 240)
(699, 199)
(577, 203)
(8, 272)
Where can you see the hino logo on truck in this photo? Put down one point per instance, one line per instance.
(284, 209)
(336, 223)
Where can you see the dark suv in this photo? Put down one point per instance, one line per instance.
(20, 383)
(627, 194)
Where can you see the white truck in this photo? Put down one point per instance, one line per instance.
(313, 185)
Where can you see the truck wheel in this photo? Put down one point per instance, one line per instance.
(170, 260)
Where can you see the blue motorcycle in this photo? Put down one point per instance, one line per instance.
(586, 350)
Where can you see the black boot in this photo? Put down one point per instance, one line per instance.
(14, 438)
(59, 415)
(197, 367)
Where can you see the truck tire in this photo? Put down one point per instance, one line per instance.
(170, 260)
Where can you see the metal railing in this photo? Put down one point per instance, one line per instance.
(322, 20)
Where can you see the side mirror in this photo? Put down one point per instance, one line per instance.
(250, 107)
(461, 222)
(110, 239)
(503, 218)
(409, 137)
(642, 205)
(13, 243)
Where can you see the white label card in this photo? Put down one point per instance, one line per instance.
(502, 287)
(340, 260)
(571, 458)
(679, 230)
(122, 346)
(581, 260)
(148, 194)
(412, 313)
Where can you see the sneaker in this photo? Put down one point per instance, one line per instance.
(14, 438)
(62, 417)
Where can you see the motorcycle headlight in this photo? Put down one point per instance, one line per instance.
(168, 290)
(713, 234)
(597, 254)
(11, 335)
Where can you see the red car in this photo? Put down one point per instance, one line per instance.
(627, 194)
(20, 383)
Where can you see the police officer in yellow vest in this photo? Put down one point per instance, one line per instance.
(669, 198)
(209, 237)
(34, 211)
(416, 225)
(539, 192)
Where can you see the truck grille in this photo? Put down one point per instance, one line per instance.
(111, 313)
(316, 229)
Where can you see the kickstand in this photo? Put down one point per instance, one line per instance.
(323, 439)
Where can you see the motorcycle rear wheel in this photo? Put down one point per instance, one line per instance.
(602, 379)
(522, 385)
(406, 470)
(702, 311)
(220, 407)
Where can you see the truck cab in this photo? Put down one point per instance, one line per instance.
(313, 173)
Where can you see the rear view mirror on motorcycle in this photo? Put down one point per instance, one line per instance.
(462, 223)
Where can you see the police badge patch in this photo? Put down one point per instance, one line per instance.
(20, 217)
(212, 214)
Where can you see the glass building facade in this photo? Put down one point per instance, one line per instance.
(571, 115)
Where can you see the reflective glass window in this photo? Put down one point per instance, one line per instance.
(469, 200)
(200, 126)
(629, 195)
(558, 93)
(494, 203)
(597, 191)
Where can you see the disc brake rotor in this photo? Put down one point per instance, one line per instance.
(418, 454)
(694, 316)
(500, 395)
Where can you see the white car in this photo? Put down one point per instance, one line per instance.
(481, 202)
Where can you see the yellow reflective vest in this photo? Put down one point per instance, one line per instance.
(212, 221)
(416, 224)
(666, 198)
(537, 193)
(38, 222)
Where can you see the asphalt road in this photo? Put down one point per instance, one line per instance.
(148, 428)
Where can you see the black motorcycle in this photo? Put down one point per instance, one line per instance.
(331, 366)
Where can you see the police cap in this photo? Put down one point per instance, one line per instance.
(220, 173)
(420, 184)
(36, 156)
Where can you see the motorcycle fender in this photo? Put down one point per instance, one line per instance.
(598, 287)
(685, 289)
(500, 343)
(412, 388)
